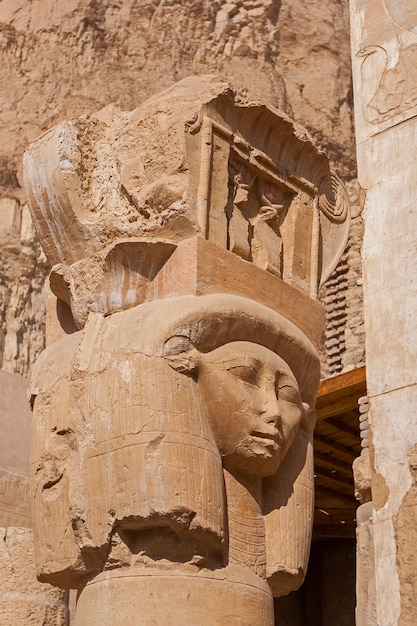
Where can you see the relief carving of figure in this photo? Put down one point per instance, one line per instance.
(254, 220)
(391, 69)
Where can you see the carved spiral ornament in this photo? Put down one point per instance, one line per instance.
(333, 198)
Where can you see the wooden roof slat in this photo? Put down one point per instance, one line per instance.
(331, 409)
(346, 441)
(340, 394)
(334, 477)
(341, 426)
(332, 461)
(336, 447)
(336, 495)
(342, 381)
(337, 444)
(338, 513)
(323, 522)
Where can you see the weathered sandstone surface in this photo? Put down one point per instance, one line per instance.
(171, 446)
(64, 58)
(23, 600)
(384, 60)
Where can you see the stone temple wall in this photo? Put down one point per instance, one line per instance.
(65, 58)
(342, 295)
(23, 600)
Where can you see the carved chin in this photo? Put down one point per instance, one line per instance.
(256, 456)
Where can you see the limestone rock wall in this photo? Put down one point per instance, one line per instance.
(23, 270)
(62, 58)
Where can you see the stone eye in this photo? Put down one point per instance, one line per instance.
(289, 394)
(245, 373)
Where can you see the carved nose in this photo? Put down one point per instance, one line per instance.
(271, 413)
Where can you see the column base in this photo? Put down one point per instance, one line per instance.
(148, 596)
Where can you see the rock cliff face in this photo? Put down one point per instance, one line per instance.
(63, 58)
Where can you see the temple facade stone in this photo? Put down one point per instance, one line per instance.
(384, 44)
(23, 600)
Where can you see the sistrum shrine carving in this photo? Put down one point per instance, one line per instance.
(172, 467)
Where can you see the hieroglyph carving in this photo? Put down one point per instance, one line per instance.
(388, 60)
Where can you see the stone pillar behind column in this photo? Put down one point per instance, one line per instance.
(23, 600)
(384, 57)
(365, 554)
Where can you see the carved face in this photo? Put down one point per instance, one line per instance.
(253, 404)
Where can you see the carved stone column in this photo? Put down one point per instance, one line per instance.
(174, 407)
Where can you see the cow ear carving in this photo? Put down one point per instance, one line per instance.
(186, 362)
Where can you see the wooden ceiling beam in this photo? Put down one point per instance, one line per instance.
(338, 514)
(336, 495)
(323, 523)
(340, 394)
(331, 409)
(336, 447)
(332, 461)
(342, 381)
(334, 477)
(344, 427)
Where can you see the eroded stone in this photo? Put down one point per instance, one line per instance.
(173, 422)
